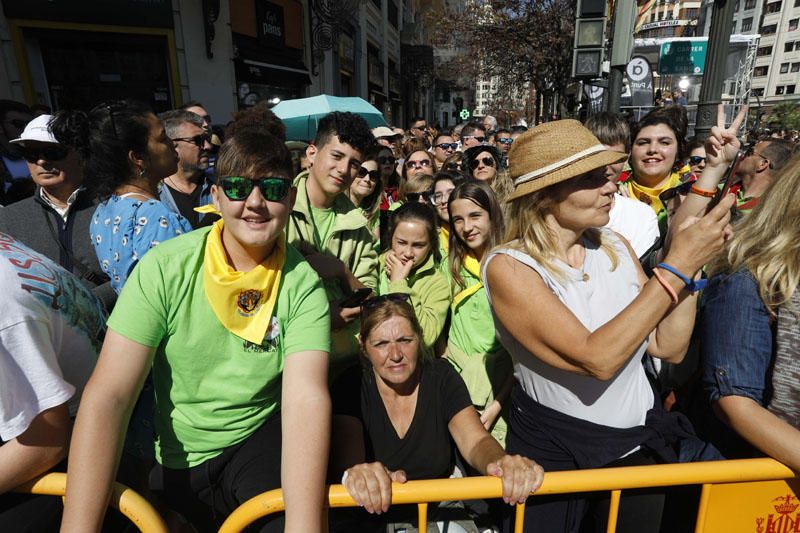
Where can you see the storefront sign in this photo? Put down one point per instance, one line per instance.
(682, 57)
(269, 24)
(665, 24)
(148, 13)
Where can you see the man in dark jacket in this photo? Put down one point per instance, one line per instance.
(55, 221)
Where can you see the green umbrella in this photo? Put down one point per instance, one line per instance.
(301, 116)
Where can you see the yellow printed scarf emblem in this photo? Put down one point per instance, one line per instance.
(444, 237)
(649, 195)
(242, 301)
(473, 266)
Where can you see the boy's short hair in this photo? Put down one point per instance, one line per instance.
(349, 127)
(610, 129)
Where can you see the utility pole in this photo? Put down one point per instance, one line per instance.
(714, 70)
(621, 47)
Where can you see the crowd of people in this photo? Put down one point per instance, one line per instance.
(205, 315)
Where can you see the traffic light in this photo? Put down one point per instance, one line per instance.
(590, 32)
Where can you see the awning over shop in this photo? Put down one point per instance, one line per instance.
(252, 71)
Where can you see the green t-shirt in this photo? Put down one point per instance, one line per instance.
(324, 220)
(213, 389)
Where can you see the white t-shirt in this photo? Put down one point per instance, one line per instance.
(595, 294)
(51, 328)
(634, 220)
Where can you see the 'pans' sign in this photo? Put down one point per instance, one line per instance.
(269, 19)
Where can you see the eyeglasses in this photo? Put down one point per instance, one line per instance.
(421, 197)
(479, 139)
(422, 127)
(751, 150)
(374, 301)
(237, 188)
(32, 154)
(374, 175)
(422, 163)
(487, 162)
(386, 160)
(669, 194)
(506, 140)
(198, 140)
(441, 197)
(696, 160)
(447, 146)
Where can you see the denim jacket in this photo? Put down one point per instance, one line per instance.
(736, 336)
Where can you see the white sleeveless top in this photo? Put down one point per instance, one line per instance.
(595, 294)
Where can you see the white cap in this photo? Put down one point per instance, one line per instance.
(37, 129)
(382, 131)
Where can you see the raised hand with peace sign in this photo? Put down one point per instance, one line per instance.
(722, 144)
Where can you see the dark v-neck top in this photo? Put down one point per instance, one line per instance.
(426, 451)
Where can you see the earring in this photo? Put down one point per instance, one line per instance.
(142, 172)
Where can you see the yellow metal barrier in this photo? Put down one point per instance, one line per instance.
(130, 503)
(774, 500)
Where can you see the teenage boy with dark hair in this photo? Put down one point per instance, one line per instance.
(330, 231)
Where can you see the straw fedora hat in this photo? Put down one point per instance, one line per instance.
(554, 152)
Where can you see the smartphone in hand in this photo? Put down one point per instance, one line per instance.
(356, 298)
(727, 181)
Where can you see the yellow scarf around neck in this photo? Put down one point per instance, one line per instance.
(242, 301)
(444, 237)
(473, 266)
(649, 195)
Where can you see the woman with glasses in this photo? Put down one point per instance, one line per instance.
(366, 191)
(443, 184)
(126, 154)
(418, 162)
(397, 420)
(473, 349)
(236, 327)
(482, 163)
(409, 266)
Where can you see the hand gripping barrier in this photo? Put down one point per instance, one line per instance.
(130, 503)
(737, 495)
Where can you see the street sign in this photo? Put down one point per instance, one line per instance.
(464, 114)
(682, 57)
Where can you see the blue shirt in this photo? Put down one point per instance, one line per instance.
(736, 336)
(124, 229)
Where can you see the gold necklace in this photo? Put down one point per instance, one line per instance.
(175, 186)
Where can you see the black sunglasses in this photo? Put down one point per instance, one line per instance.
(273, 189)
(198, 140)
(447, 146)
(424, 196)
(669, 194)
(696, 159)
(371, 303)
(479, 139)
(386, 160)
(487, 162)
(374, 175)
(32, 154)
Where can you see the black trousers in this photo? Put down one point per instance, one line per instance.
(207, 493)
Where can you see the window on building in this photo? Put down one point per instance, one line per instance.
(758, 92)
(761, 71)
(795, 67)
(774, 7)
(764, 51)
(769, 30)
(797, 46)
(784, 68)
(733, 27)
(749, 4)
(652, 17)
(790, 89)
(747, 24)
(738, 5)
(793, 24)
(788, 47)
(779, 90)
(796, 3)
(391, 12)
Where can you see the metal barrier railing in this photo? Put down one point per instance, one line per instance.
(615, 480)
(130, 503)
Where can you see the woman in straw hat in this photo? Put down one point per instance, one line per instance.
(573, 307)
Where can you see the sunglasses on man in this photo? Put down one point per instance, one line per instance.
(487, 162)
(505, 140)
(198, 140)
(237, 188)
(447, 146)
(696, 160)
(479, 139)
(374, 175)
(32, 154)
(414, 165)
(682, 189)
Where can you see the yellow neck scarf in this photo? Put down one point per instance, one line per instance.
(242, 301)
(444, 237)
(649, 195)
(473, 266)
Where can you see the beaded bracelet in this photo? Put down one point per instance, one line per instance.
(667, 287)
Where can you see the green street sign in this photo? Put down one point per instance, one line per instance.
(682, 57)
(464, 114)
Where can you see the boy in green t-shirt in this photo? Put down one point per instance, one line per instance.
(331, 232)
(232, 320)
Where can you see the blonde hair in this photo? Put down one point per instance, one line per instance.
(527, 230)
(767, 241)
